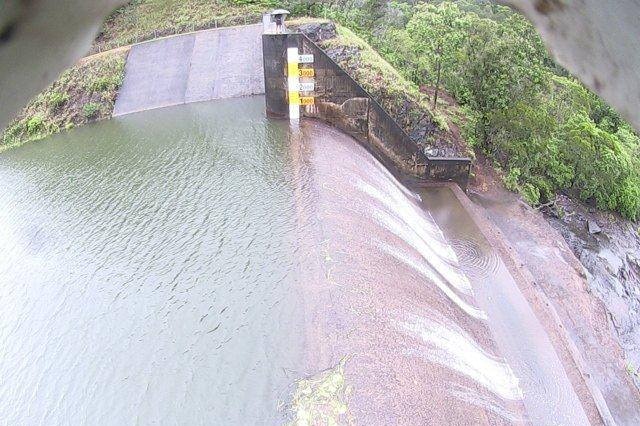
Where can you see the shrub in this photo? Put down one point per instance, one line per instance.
(441, 122)
(35, 124)
(90, 110)
(629, 199)
(530, 193)
(104, 83)
(512, 179)
(57, 99)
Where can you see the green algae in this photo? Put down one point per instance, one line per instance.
(323, 399)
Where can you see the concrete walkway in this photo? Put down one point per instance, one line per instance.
(201, 66)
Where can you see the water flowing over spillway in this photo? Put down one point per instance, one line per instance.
(401, 305)
(203, 265)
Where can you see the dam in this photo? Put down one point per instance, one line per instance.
(199, 263)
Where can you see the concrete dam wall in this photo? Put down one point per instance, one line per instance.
(228, 62)
(202, 66)
(342, 102)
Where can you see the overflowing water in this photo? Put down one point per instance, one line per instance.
(402, 308)
(191, 265)
(548, 394)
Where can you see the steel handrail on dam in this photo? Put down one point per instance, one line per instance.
(344, 103)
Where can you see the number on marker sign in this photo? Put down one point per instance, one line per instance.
(307, 86)
(305, 59)
(306, 72)
(306, 100)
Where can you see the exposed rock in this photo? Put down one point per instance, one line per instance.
(634, 261)
(341, 54)
(318, 31)
(609, 249)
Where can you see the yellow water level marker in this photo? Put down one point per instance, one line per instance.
(306, 72)
(294, 86)
(293, 83)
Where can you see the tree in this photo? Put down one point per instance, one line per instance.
(437, 32)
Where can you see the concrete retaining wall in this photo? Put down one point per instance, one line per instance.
(341, 101)
(201, 66)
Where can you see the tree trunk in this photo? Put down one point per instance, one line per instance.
(435, 96)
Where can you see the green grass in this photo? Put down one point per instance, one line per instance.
(375, 72)
(148, 19)
(82, 94)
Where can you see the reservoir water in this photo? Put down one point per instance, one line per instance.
(148, 272)
(201, 264)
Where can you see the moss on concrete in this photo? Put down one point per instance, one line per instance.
(85, 93)
(322, 399)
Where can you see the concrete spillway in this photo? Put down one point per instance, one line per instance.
(203, 66)
(421, 331)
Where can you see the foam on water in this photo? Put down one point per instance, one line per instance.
(495, 405)
(433, 275)
(413, 219)
(448, 345)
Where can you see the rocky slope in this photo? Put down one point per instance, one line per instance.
(609, 249)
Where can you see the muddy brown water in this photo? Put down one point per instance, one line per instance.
(189, 265)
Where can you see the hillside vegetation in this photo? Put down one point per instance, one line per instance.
(82, 94)
(539, 124)
(142, 20)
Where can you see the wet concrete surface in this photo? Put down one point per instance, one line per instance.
(409, 346)
(548, 393)
(560, 277)
(428, 334)
(201, 66)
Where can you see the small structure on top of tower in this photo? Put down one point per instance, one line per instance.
(273, 22)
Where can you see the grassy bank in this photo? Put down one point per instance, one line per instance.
(82, 94)
(148, 19)
(436, 132)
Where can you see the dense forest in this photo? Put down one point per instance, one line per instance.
(538, 124)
